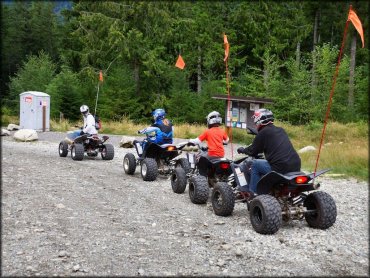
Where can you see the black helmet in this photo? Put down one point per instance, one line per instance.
(262, 117)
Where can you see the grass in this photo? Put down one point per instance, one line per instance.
(345, 147)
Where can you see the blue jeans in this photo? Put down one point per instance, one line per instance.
(260, 167)
(73, 135)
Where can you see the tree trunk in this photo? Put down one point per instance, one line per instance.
(265, 77)
(352, 72)
(137, 77)
(315, 38)
(199, 71)
(298, 55)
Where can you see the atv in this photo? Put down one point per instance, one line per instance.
(206, 173)
(91, 144)
(159, 160)
(280, 197)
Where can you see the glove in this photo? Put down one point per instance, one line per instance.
(138, 132)
(241, 150)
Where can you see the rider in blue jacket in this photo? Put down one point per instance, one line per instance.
(161, 132)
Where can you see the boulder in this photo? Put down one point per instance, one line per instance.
(307, 149)
(126, 142)
(13, 127)
(5, 132)
(25, 135)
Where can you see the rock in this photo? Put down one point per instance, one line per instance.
(126, 142)
(226, 246)
(13, 127)
(219, 223)
(141, 271)
(238, 252)
(307, 149)
(63, 253)
(26, 135)
(76, 268)
(61, 206)
(4, 132)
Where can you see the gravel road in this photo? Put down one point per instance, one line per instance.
(88, 218)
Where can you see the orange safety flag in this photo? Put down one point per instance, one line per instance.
(180, 63)
(352, 16)
(227, 47)
(101, 76)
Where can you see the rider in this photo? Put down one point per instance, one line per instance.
(162, 129)
(274, 143)
(88, 126)
(214, 135)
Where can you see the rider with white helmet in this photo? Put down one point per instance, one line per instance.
(88, 126)
(214, 135)
(89, 121)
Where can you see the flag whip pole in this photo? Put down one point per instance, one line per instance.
(331, 97)
(228, 116)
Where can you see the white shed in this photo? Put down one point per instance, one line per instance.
(34, 111)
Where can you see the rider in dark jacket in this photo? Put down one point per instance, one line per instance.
(275, 144)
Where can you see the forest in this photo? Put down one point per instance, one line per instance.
(286, 51)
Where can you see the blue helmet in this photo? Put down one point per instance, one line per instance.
(158, 114)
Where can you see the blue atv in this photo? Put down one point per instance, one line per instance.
(157, 160)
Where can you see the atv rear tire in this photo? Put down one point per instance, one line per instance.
(178, 180)
(63, 149)
(223, 199)
(149, 169)
(265, 214)
(184, 164)
(198, 190)
(107, 152)
(77, 151)
(129, 164)
(324, 210)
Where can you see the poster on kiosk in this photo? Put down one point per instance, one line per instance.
(34, 110)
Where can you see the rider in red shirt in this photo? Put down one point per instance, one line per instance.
(214, 135)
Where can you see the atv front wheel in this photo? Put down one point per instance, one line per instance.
(107, 152)
(129, 164)
(223, 199)
(77, 151)
(149, 169)
(265, 214)
(178, 180)
(198, 190)
(184, 164)
(321, 210)
(63, 149)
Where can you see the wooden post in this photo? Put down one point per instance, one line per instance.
(43, 118)
(228, 131)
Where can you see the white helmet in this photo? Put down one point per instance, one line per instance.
(262, 117)
(214, 118)
(84, 109)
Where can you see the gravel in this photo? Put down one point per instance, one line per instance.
(88, 218)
